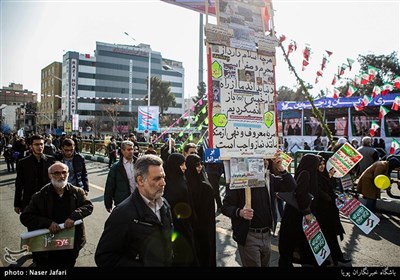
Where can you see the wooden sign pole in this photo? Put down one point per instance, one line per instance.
(248, 197)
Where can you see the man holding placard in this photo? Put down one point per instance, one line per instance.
(253, 226)
(58, 203)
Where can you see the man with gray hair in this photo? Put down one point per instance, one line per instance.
(369, 153)
(138, 231)
(56, 203)
(120, 180)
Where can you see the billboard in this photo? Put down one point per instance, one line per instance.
(148, 118)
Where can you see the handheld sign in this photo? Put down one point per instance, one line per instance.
(286, 160)
(42, 240)
(360, 215)
(343, 160)
(316, 240)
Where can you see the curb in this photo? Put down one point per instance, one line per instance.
(96, 158)
(386, 205)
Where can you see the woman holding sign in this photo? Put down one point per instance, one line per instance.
(291, 237)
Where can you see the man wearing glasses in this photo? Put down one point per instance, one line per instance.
(76, 164)
(57, 203)
(31, 173)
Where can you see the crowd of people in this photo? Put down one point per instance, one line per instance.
(163, 207)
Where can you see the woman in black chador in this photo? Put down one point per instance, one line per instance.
(204, 207)
(177, 194)
(291, 237)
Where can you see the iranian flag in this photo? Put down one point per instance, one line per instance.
(382, 112)
(374, 127)
(395, 145)
(364, 78)
(351, 91)
(396, 103)
(386, 88)
(372, 71)
(366, 100)
(336, 93)
(358, 107)
(376, 91)
(334, 80)
(397, 82)
(357, 80)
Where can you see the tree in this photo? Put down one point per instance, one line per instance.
(287, 94)
(388, 67)
(161, 94)
(112, 109)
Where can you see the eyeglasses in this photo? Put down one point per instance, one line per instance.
(68, 150)
(58, 173)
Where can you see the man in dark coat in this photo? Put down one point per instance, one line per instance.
(139, 230)
(120, 180)
(253, 227)
(76, 164)
(32, 173)
(58, 203)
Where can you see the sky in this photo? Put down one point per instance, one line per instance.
(36, 33)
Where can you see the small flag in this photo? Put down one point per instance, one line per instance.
(364, 78)
(336, 93)
(334, 80)
(382, 112)
(395, 145)
(374, 127)
(396, 103)
(358, 107)
(372, 71)
(351, 91)
(386, 88)
(350, 61)
(376, 90)
(366, 100)
(357, 80)
(397, 81)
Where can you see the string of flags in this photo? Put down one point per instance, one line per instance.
(186, 114)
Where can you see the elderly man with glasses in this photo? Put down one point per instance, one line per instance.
(57, 203)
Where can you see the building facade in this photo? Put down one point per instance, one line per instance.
(101, 93)
(50, 103)
(18, 108)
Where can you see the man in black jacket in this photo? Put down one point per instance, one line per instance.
(32, 173)
(253, 227)
(76, 164)
(139, 230)
(58, 203)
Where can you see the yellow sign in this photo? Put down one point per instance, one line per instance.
(67, 127)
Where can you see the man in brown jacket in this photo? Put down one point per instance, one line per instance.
(366, 185)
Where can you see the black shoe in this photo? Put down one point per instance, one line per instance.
(344, 260)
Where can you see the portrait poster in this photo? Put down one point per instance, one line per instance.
(243, 117)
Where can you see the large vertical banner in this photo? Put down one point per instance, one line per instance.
(73, 86)
(148, 118)
(243, 103)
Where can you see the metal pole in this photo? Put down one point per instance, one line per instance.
(149, 89)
